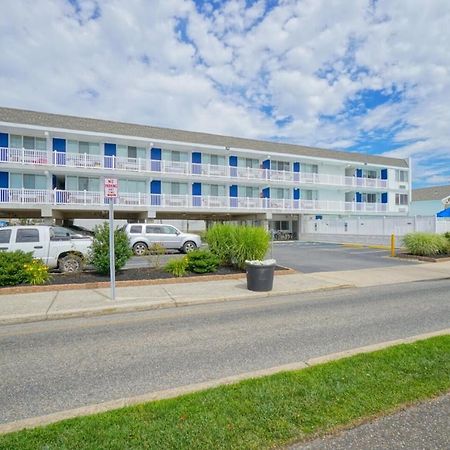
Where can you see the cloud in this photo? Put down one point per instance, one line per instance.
(359, 75)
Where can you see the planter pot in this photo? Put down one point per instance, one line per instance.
(260, 275)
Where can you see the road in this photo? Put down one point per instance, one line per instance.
(52, 366)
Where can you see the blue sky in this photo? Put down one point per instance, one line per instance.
(357, 75)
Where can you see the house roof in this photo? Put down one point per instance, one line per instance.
(26, 117)
(430, 193)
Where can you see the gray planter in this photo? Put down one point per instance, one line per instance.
(260, 275)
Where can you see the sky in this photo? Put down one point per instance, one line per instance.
(369, 76)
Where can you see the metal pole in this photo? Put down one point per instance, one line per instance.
(112, 262)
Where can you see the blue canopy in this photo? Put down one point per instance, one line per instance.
(444, 213)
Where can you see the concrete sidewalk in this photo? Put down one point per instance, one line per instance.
(30, 307)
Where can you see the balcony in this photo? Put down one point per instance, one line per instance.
(39, 197)
(183, 169)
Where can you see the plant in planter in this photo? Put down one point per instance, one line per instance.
(177, 267)
(155, 251)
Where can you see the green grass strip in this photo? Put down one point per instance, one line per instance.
(261, 413)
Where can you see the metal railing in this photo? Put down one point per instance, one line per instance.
(39, 197)
(118, 163)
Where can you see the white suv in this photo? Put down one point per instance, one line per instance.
(142, 236)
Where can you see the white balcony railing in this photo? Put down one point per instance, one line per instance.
(185, 169)
(38, 197)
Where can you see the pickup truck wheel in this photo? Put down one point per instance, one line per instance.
(140, 248)
(70, 263)
(188, 247)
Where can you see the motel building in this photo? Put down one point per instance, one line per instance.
(53, 167)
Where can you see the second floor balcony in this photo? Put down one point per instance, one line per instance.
(25, 157)
(87, 199)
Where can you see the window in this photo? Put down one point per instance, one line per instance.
(371, 174)
(30, 181)
(83, 183)
(136, 229)
(152, 229)
(214, 160)
(28, 142)
(214, 190)
(82, 147)
(369, 198)
(401, 176)
(176, 156)
(308, 194)
(168, 230)
(280, 165)
(310, 168)
(401, 199)
(27, 235)
(132, 152)
(5, 236)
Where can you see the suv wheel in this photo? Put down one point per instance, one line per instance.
(70, 264)
(140, 248)
(189, 246)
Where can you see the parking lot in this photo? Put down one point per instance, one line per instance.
(308, 257)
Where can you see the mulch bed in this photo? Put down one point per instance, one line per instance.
(129, 277)
(141, 273)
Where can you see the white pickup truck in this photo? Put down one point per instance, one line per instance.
(51, 244)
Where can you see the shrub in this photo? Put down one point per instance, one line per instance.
(12, 266)
(99, 252)
(425, 244)
(220, 239)
(155, 251)
(202, 261)
(447, 236)
(37, 272)
(250, 243)
(177, 267)
(233, 244)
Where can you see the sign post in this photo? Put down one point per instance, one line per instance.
(111, 188)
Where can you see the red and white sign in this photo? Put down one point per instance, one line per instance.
(111, 187)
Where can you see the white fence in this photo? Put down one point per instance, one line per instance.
(375, 226)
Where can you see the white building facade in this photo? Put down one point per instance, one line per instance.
(53, 166)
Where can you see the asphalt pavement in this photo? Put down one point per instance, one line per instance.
(422, 427)
(58, 365)
(309, 257)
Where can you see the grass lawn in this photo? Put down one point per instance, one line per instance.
(261, 413)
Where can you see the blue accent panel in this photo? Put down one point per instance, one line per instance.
(4, 140)
(384, 174)
(59, 145)
(233, 190)
(155, 153)
(196, 158)
(266, 192)
(110, 149)
(296, 194)
(4, 180)
(266, 164)
(319, 217)
(296, 167)
(196, 188)
(359, 173)
(155, 187)
(384, 197)
(444, 213)
(358, 197)
(233, 161)
(53, 181)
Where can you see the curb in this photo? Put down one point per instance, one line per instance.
(139, 307)
(34, 422)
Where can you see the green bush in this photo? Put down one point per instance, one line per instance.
(155, 251)
(202, 261)
(12, 266)
(177, 267)
(220, 239)
(250, 243)
(99, 251)
(425, 244)
(234, 244)
(447, 236)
